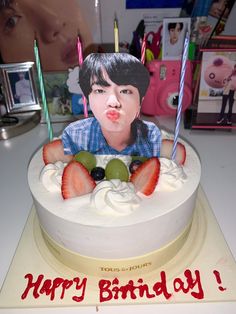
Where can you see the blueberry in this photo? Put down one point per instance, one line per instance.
(134, 165)
(97, 173)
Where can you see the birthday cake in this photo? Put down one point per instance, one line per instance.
(115, 228)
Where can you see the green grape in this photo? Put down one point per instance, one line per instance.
(141, 158)
(87, 159)
(116, 169)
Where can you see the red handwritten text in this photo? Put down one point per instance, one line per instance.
(189, 283)
(49, 287)
(109, 290)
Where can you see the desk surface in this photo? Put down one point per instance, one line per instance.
(217, 150)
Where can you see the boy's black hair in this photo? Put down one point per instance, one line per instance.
(173, 25)
(122, 69)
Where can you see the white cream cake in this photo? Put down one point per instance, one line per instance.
(115, 230)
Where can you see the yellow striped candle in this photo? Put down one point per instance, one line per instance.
(116, 35)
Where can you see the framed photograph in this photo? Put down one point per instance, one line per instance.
(64, 95)
(217, 86)
(174, 30)
(19, 88)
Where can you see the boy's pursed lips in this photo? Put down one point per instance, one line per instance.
(112, 114)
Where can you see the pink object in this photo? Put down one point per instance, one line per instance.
(163, 91)
(113, 115)
(143, 50)
(217, 71)
(81, 60)
(153, 42)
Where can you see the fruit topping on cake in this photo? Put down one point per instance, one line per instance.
(53, 152)
(145, 178)
(134, 165)
(166, 151)
(98, 173)
(87, 159)
(76, 180)
(116, 169)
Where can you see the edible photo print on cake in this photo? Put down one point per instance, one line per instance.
(114, 85)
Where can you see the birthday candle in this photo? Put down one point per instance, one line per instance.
(81, 60)
(143, 50)
(116, 35)
(42, 91)
(181, 94)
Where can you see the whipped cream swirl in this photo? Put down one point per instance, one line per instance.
(115, 197)
(172, 175)
(51, 175)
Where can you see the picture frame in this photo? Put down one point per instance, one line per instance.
(216, 94)
(19, 88)
(221, 42)
(64, 96)
(174, 30)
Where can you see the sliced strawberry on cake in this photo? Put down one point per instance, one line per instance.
(166, 151)
(53, 152)
(146, 176)
(76, 180)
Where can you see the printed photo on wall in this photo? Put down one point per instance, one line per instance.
(216, 98)
(56, 26)
(174, 30)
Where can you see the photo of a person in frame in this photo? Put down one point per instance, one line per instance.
(173, 38)
(55, 24)
(228, 98)
(219, 7)
(23, 93)
(174, 45)
(114, 85)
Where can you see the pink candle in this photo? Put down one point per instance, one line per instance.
(80, 58)
(143, 50)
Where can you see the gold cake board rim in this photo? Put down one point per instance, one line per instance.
(209, 258)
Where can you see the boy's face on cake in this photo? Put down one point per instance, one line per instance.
(114, 106)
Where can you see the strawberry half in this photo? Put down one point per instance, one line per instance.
(76, 180)
(146, 176)
(166, 151)
(53, 152)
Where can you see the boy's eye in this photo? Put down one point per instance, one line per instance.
(99, 91)
(11, 22)
(126, 91)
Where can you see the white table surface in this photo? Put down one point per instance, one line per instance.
(217, 150)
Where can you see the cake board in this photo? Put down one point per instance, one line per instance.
(204, 270)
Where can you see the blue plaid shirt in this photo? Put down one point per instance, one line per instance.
(87, 135)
